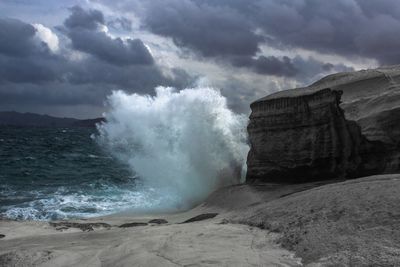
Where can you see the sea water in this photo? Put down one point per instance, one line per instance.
(56, 173)
(158, 153)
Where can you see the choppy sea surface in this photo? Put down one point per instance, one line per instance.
(161, 153)
(58, 173)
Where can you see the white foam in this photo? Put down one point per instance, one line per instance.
(183, 144)
(64, 205)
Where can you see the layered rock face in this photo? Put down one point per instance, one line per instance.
(295, 139)
(350, 130)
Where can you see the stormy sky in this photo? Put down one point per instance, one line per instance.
(64, 57)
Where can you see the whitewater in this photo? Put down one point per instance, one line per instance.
(182, 144)
(164, 152)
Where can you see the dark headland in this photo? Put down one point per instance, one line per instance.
(12, 118)
(322, 189)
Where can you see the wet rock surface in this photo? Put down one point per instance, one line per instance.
(158, 221)
(132, 224)
(201, 217)
(86, 227)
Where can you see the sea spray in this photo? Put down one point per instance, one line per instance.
(182, 144)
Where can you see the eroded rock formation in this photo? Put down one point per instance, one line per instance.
(344, 126)
(302, 138)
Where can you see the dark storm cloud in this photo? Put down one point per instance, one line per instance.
(226, 32)
(114, 51)
(346, 27)
(299, 68)
(311, 69)
(31, 74)
(16, 38)
(268, 65)
(372, 7)
(120, 24)
(52, 93)
(212, 31)
(83, 28)
(134, 78)
(87, 19)
(116, 64)
(28, 70)
(63, 82)
(233, 31)
(22, 57)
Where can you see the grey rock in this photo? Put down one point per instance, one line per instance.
(82, 226)
(132, 224)
(158, 221)
(344, 126)
(201, 217)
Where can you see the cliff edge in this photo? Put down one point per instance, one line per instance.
(345, 125)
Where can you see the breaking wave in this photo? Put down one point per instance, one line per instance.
(182, 144)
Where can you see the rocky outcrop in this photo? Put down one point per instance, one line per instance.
(344, 126)
(302, 138)
(352, 223)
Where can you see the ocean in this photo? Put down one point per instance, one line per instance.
(161, 153)
(58, 173)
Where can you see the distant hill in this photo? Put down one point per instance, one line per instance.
(12, 118)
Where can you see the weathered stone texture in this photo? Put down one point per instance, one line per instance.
(315, 133)
(302, 138)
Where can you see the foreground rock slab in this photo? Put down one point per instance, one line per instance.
(352, 223)
(329, 223)
(205, 243)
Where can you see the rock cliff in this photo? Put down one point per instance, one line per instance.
(345, 125)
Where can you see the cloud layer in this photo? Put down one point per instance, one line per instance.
(344, 27)
(246, 48)
(83, 71)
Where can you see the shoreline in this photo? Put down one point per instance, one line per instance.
(315, 224)
(212, 241)
(208, 242)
